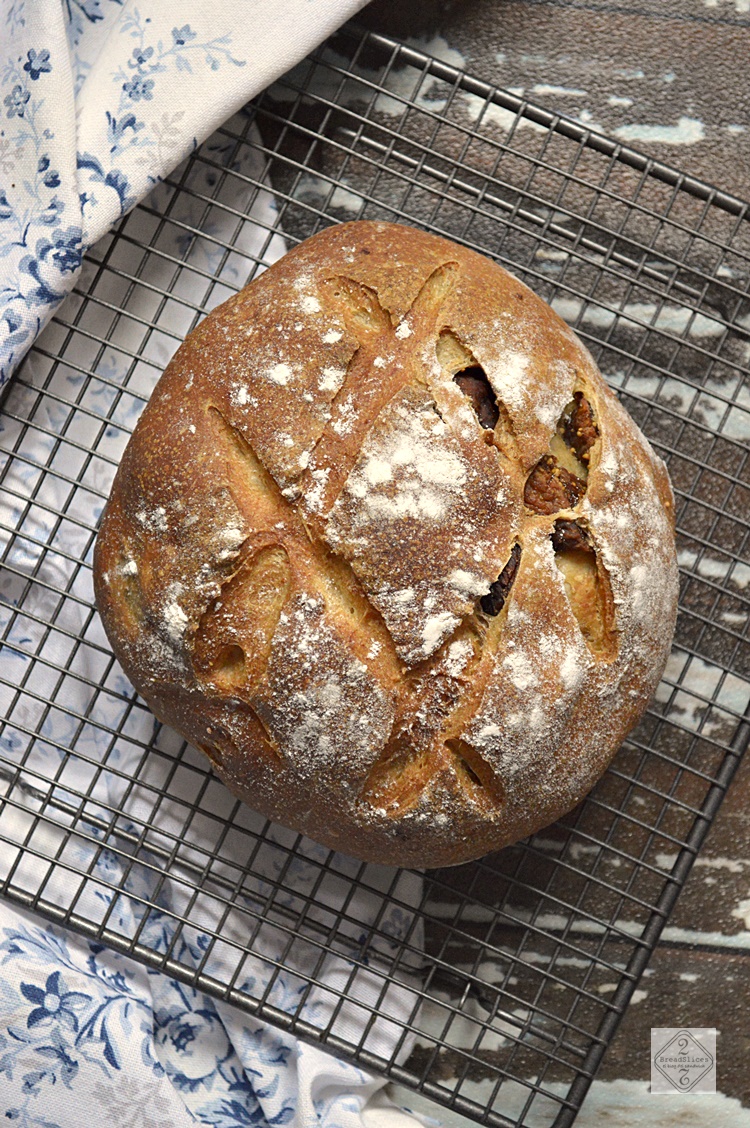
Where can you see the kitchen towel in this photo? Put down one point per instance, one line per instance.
(100, 99)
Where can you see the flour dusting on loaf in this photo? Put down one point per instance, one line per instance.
(387, 549)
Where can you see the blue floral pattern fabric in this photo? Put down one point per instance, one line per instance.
(135, 1048)
(99, 100)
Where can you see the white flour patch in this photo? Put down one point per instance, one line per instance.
(331, 380)
(467, 583)
(508, 378)
(436, 629)
(521, 670)
(155, 521)
(314, 495)
(409, 471)
(457, 656)
(487, 733)
(232, 536)
(279, 374)
(571, 671)
(240, 395)
(377, 470)
(175, 619)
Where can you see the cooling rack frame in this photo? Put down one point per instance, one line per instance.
(452, 994)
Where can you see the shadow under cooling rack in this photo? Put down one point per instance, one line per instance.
(493, 988)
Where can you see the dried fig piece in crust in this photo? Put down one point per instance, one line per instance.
(493, 602)
(550, 487)
(579, 428)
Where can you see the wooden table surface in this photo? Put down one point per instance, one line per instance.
(669, 77)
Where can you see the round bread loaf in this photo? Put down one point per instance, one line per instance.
(386, 548)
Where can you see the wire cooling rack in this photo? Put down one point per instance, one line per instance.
(493, 988)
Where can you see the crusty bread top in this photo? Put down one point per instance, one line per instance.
(297, 561)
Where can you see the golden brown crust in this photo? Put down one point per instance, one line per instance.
(297, 563)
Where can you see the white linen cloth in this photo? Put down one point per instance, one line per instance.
(100, 99)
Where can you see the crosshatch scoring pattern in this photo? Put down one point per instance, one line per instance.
(495, 987)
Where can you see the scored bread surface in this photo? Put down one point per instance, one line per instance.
(387, 549)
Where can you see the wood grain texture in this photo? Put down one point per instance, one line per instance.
(668, 78)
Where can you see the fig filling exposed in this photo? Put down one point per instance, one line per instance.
(579, 429)
(568, 536)
(493, 602)
(475, 386)
(551, 485)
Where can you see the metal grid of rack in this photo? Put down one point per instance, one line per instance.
(481, 986)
